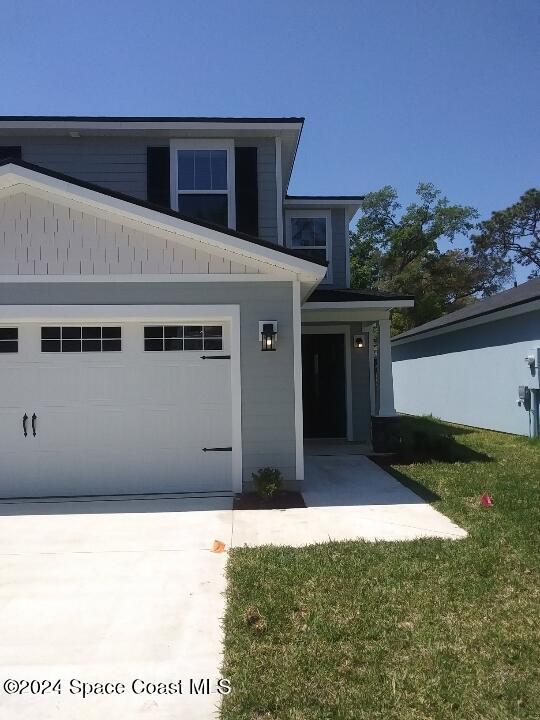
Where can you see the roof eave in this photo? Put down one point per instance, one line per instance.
(360, 304)
(350, 203)
(525, 305)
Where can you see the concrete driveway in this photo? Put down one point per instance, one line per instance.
(114, 592)
(111, 592)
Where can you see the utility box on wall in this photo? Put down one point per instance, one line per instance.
(532, 368)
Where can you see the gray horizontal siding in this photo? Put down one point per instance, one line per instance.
(267, 378)
(339, 248)
(114, 163)
(120, 164)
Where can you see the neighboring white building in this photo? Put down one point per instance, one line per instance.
(468, 367)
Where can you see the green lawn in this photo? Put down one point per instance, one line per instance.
(426, 629)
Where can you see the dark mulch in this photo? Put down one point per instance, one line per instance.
(282, 500)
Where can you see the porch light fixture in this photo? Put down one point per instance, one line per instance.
(268, 334)
(358, 341)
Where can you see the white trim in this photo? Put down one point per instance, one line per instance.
(151, 277)
(298, 404)
(226, 144)
(315, 214)
(279, 192)
(115, 313)
(358, 304)
(384, 363)
(324, 202)
(520, 309)
(19, 179)
(348, 218)
(372, 392)
(236, 401)
(150, 313)
(344, 330)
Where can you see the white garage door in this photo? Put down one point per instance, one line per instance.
(114, 408)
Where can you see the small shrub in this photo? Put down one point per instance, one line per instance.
(268, 481)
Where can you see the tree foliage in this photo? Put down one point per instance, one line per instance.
(513, 234)
(401, 253)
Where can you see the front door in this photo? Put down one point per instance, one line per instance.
(323, 386)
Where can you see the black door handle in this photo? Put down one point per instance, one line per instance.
(24, 421)
(34, 418)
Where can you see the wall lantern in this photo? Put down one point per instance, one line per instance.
(358, 341)
(268, 334)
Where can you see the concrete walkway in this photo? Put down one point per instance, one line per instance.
(349, 497)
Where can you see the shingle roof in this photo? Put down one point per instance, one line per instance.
(524, 293)
(158, 208)
(150, 118)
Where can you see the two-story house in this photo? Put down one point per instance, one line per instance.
(170, 318)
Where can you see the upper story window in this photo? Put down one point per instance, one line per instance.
(202, 180)
(311, 232)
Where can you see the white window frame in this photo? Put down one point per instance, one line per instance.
(226, 144)
(327, 215)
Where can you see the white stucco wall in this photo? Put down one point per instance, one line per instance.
(470, 376)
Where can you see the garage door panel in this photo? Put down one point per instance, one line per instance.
(14, 380)
(105, 383)
(102, 427)
(135, 423)
(50, 384)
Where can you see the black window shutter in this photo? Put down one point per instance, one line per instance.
(246, 190)
(158, 181)
(13, 152)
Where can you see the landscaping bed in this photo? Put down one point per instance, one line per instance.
(282, 500)
(423, 630)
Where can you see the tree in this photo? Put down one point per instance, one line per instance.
(401, 253)
(513, 235)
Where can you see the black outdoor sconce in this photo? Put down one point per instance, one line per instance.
(268, 335)
(358, 341)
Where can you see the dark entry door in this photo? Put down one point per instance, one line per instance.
(323, 386)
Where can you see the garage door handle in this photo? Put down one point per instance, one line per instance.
(215, 357)
(218, 449)
(24, 421)
(34, 418)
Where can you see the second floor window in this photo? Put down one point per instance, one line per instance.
(310, 232)
(203, 180)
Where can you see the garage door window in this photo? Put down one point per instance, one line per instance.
(183, 337)
(9, 340)
(81, 339)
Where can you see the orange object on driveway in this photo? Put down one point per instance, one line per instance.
(218, 546)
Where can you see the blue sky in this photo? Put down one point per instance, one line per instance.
(393, 91)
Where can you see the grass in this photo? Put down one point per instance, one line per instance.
(423, 630)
